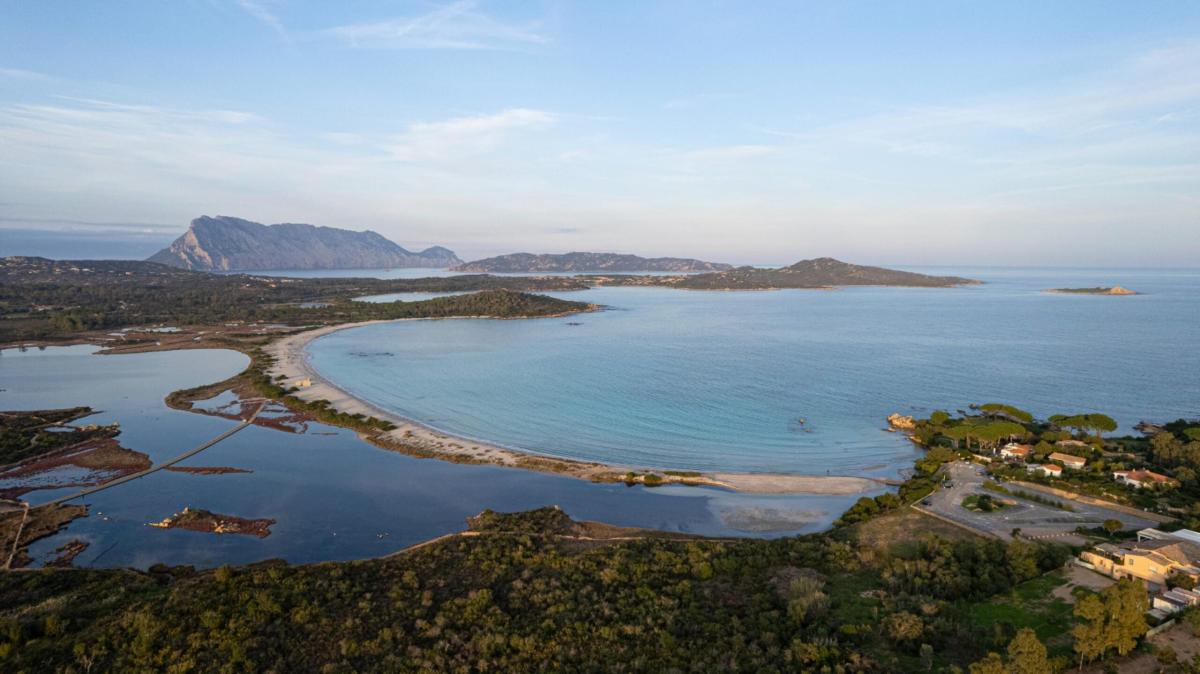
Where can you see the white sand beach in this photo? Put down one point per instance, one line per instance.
(291, 362)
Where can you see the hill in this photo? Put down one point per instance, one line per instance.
(225, 243)
(519, 263)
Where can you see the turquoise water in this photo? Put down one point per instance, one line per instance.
(721, 380)
(333, 495)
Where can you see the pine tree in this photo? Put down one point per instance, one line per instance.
(1027, 655)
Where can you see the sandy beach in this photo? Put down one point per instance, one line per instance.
(291, 362)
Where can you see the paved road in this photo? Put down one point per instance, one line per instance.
(171, 462)
(1034, 520)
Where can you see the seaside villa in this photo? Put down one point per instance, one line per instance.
(1047, 469)
(1140, 479)
(1016, 452)
(1150, 560)
(1068, 460)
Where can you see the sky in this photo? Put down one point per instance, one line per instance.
(921, 133)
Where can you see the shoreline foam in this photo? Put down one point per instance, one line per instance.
(411, 437)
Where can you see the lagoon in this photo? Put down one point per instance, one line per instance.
(334, 496)
(722, 380)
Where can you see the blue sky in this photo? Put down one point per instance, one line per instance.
(919, 133)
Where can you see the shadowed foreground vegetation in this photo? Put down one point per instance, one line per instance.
(524, 593)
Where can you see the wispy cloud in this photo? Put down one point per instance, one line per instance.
(63, 224)
(459, 25)
(268, 18)
(731, 152)
(463, 136)
(21, 74)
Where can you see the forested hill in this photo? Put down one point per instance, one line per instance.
(824, 272)
(226, 243)
(520, 263)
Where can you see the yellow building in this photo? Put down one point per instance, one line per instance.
(1152, 560)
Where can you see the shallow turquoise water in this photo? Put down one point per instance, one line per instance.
(721, 380)
(332, 495)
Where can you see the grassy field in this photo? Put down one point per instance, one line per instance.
(1031, 604)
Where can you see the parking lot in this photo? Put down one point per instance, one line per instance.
(1033, 519)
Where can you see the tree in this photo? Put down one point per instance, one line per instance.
(1112, 526)
(1001, 409)
(1027, 655)
(1182, 580)
(1100, 423)
(1128, 604)
(992, 664)
(1113, 620)
(903, 626)
(1089, 634)
(927, 656)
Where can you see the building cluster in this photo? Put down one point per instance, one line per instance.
(1167, 562)
(1057, 462)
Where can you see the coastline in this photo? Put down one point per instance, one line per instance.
(411, 437)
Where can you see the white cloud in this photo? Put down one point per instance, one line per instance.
(459, 25)
(258, 10)
(463, 136)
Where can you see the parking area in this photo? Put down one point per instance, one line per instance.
(1033, 519)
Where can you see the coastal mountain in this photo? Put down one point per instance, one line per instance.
(520, 263)
(225, 243)
(822, 272)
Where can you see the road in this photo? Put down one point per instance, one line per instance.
(1033, 519)
(165, 464)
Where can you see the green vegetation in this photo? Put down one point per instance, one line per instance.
(41, 299)
(982, 503)
(1100, 423)
(1001, 409)
(1171, 449)
(1113, 620)
(1028, 496)
(522, 595)
(24, 435)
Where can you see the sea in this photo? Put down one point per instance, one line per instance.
(794, 381)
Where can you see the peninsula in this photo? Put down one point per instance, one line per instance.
(818, 273)
(525, 263)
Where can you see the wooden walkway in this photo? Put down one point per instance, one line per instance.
(153, 469)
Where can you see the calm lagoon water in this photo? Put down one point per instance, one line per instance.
(334, 496)
(664, 378)
(721, 380)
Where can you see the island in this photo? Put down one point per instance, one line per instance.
(209, 522)
(226, 243)
(1111, 290)
(524, 263)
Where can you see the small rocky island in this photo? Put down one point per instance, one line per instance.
(213, 523)
(1113, 290)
